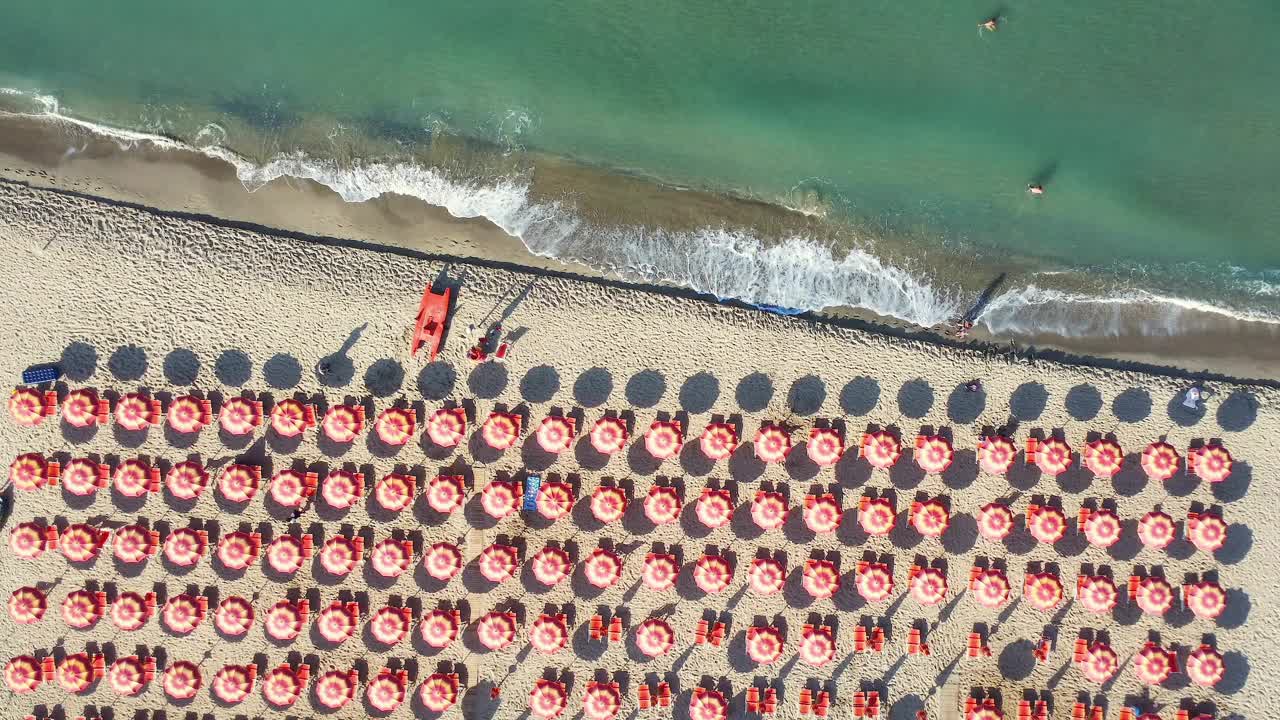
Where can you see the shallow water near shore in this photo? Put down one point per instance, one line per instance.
(871, 156)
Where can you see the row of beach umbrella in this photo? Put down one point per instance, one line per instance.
(447, 427)
(1153, 664)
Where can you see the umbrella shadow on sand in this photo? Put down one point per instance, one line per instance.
(337, 369)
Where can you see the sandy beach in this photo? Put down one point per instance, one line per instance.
(126, 299)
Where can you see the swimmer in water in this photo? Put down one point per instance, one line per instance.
(1035, 189)
(990, 24)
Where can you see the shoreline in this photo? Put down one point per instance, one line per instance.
(198, 186)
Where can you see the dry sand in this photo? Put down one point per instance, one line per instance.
(128, 299)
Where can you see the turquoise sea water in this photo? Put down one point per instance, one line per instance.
(1155, 128)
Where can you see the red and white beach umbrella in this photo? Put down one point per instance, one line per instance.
(396, 426)
(877, 516)
(603, 568)
(286, 553)
(132, 544)
(990, 588)
(1103, 458)
(1153, 664)
(1207, 531)
(712, 573)
(27, 407)
(1100, 662)
(718, 441)
(443, 561)
(825, 447)
(707, 704)
(1054, 456)
(342, 489)
(931, 518)
(439, 692)
(874, 581)
(80, 542)
(447, 426)
(500, 430)
(499, 498)
(391, 557)
(822, 514)
(186, 480)
(289, 488)
(1047, 524)
(84, 477)
(183, 613)
(555, 500)
(1205, 666)
(131, 477)
(609, 435)
(394, 492)
(773, 443)
(934, 454)
(1160, 460)
(821, 578)
(551, 565)
(22, 674)
(130, 611)
(29, 472)
(337, 622)
(27, 540)
(601, 701)
(664, 439)
(339, 555)
(881, 448)
(555, 434)
(1043, 591)
(715, 508)
(239, 483)
(929, 586)
(1206, 599)
(996, 454)
(765, 644)
(390, 624)
(498, 562)
(285, 619)
(548, 634)
(1154, 596)
(1097, 593)
(662, 506)
(766, 576)
(233, 683)
(291, 418)
(136, 411)
(127, 676)
(282, 686)
(234, 616)
(817, 645)
(660, 571)
(386, 691)
(1213, 463)
(439, 628)
(496, 630)
(238, 550)
(655, 637)
(1102, 528)
(182, 680)
(446, 493)
(548, 699)
(1156, 530)
(240, 416)
(608, 504)
(27, 605)
(82, 609)
(769, 510)
(343, 423)
(83, 408)
(75, 673)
